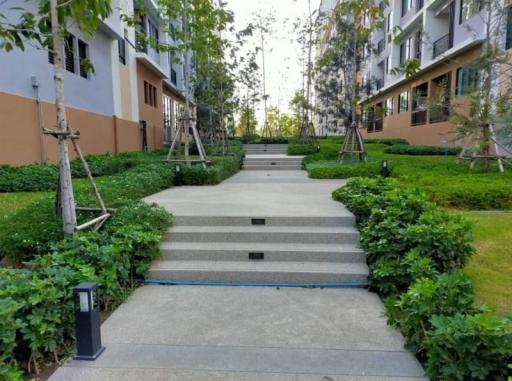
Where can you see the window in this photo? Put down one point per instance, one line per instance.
(388, 109)
(405, 50)
(467, 80)
(153, 31)
(379, 114)
(469, 8)
(83, 56)
(403, 102)
(406, 6)
(386, 65)
(70, 53)
(167, 111)
(174, 77)
(388, 21)
(440, 92)
(418, 39)
(419, 105)
(150, 94)
(509, 29)
(122, 51)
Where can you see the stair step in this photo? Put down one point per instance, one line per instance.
(258, 272)
(256, 233)
(272, 167)
(347, 220)
(279, 252)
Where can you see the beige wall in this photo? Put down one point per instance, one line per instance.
(399, 125)
(20, 139)
(126, 101)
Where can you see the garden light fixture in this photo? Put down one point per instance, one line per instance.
(384, 168)
(87, 322)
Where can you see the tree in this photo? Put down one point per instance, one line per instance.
(247, 122)
(48, 29)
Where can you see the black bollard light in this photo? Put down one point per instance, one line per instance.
(178, 175)
(384, 168)
(87, 322)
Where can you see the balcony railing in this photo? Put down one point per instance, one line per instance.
(442, 45)
(418, 117)
(140, 43)
(440, 113)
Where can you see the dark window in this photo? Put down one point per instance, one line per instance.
(419, 105)
(467, 80)
(418, 38)
(405, 50)
(468, 8)
(174, 77)
(509, 29)
(122, 51)
(370, 115)
(150, 94)
(403, 102)
(388, 22)
(406, 5)
(70, 53)
(51, 58)
(83, 49)
(388, 108)
(440, 112)
(379, 114)
(153, 32)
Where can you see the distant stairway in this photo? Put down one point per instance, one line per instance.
(286, 251)
(270, 157)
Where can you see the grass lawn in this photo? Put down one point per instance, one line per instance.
(491, 267)
(446, 182)
(10, 202)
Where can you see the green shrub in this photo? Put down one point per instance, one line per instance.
(28, 178)
(222, 168)
(361, 195)
(10, 373)
(443, 237)
(385, 234)
(447, 294)
(388, 142)
(269, 140)
(101, 165)
(394, 276)
(343, 171)
(469, 348)
(295, 149)
(421, 150)
(42, 318)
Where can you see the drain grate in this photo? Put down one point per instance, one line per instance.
(258, 221)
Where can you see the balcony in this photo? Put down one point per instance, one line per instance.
(418, 117)
(442, 45)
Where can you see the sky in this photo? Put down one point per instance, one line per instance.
(282, 52)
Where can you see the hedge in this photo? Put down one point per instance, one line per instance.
(295, 149)
(421, 150)
(40, 295)
(343, 171)
(415, 250)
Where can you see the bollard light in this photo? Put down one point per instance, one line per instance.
(177, 174)
(177, 168)
(384, 168)
(87, 322)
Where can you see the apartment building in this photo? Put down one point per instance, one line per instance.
(445, 37)
(132, 99)
(327, 120)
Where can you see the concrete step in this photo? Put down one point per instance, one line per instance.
(266, 152)
(273, 159)
(268, 162)
(347, 220)
(279, 252)
(256, 233)
(283, 167)
(258, 272)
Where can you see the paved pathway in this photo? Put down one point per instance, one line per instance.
(238, 333)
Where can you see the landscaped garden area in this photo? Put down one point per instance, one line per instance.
(41, 266)
(437, 236)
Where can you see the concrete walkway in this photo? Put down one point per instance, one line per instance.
(216, 333)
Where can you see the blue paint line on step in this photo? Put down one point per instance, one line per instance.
(256, 284)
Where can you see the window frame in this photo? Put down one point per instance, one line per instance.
(468, 85)
(403, 95)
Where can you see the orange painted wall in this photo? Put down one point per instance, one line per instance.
(152, 115)
(398, 125)
(20, 138)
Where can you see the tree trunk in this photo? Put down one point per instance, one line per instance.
(66, 187)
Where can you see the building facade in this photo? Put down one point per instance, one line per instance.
(132, 98)
(444, 37)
